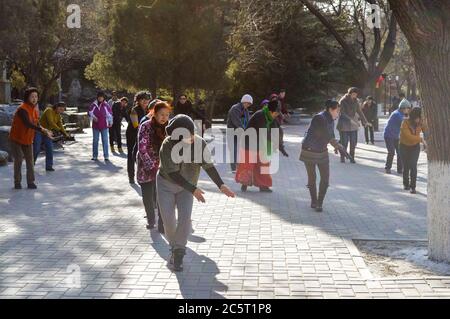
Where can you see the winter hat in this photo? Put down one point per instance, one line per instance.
(247, 99)
(264, 102)
(405, 105)
(180, 121)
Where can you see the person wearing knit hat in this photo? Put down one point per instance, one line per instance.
(247, 98)
(181, 121)
(238, 117)
(250, 173)
(181, 160)
(392, 136)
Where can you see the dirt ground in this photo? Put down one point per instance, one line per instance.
(400, 259)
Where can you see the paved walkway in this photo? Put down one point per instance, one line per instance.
(86, 217)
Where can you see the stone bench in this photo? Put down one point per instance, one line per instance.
(82, 120)
(219, 121)
(72, 110)
(4, 140)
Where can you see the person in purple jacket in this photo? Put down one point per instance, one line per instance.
(392, 136)
(101, 115)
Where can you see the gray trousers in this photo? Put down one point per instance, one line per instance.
(171, 196)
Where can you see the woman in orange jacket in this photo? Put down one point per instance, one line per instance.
(410, 140)
(25, 124)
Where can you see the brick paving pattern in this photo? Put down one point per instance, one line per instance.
(86, 216)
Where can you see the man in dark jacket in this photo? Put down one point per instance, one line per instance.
(238, 118)
(184, 106)
(348, 124)
(115, 132)
(370, 111)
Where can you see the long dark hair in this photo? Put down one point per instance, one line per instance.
(416, 113)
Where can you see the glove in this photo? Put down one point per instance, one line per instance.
(339, 149)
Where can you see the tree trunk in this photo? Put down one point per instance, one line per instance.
(153, 88)
(425, 24)
(212, 105)
(433, 72)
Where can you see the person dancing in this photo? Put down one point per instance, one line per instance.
(315, 151)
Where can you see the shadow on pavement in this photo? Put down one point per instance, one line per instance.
(198, 280)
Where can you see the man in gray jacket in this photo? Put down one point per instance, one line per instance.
(238, 117)
(348, 124)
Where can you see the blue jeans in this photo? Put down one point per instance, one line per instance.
(392, 145)
(40, 139)
(349, 137)
(105, 144)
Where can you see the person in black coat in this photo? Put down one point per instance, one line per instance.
(115, 132)
(254, 162)
(315, 151)
(370, 110)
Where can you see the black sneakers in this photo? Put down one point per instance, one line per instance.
(17, 186)
(32, 186)
(176, 259)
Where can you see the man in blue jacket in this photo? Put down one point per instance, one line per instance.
(392, 135)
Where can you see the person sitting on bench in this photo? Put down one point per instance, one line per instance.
(50, 120)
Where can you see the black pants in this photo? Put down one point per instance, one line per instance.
(132, 151)
(149, 200)
(324, 170)
(369, 133)
(234, 153)
(410, 157)
(115, 134)
(346, 138)
(392, 147)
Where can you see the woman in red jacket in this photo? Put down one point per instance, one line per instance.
(25, 124)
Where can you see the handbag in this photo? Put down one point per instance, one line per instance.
(109, 118)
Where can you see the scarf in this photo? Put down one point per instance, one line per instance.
(269, 121)
(244, 116)
(160, 134)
